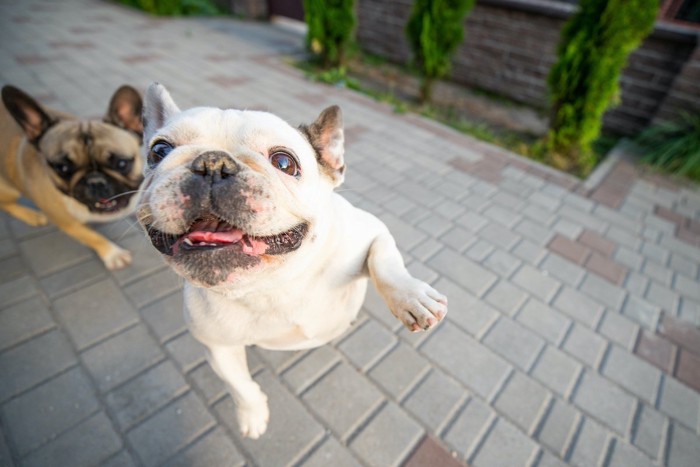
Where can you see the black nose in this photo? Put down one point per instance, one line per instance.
(214, 164)
(97, 185)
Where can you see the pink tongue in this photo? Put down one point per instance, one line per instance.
(231, 236)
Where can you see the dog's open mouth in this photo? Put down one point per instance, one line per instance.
(211, 233)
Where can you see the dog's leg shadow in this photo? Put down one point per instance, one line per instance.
(229, 362)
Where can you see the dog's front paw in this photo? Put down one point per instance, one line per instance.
(416, 304)
(252, 419)
(116, 258)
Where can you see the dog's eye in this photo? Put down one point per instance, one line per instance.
(64, 168)
(158, 152)
(285, 163)
(120, 164)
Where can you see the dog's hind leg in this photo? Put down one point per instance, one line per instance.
(9, 204)
(229, 362)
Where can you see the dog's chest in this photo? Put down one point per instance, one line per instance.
(279, 324)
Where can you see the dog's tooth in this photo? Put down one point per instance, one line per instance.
(188, 242)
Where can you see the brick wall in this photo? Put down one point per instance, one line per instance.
(510, 45)
(685, 93)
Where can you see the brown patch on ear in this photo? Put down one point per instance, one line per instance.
(125, 109)
(27, 113)
(326, 137)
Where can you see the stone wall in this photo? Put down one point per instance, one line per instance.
(510, 45)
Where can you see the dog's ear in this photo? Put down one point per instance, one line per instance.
(158, 108)
(27, 112)
(326, 137)
(125, 109)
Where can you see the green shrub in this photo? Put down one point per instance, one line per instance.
(583, 84)
(674, 147)
(330, 23)
(434, 30)
(174, 7)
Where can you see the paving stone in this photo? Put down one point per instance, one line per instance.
(121, 459)
(578, 306)
(280, 445)
(535, 282)
(590, 446)
(557, 371)
(619, 329)
(473, 364)
(563, 270)
(606, 268)
(155, 443)
(650, 431)
(367, 344)
(544, 320)
(23, 321)
(523, 401)
(658, 273)
(605, 401)
(559, 427)
(471, 276)
(642, 311)
(187, 351)
(624, 455)
(683, 265)
(505, 446)
(52, 252)
(343, 383)
(215, 449)
(663, 297)
(71, 449)
(145, 394)
(499, 235)
(687, 287)
(310, 368)
(587, 346)
(17, 290)
(94, 313)
(470, 427)
(598, 243)
(680, 402)
(529, 251)
(406, 236)
(209, 384)
(153, 287)
(505, 297)
(34, 361)
(637, 284)
(479, 250)
(656, 350)
(166, 316)
(73, 278)
(603, 291)
(458, 239)
(388, 438)
(632, 373)
(534, 231)
(514, 342)
(41, 414)
(688, 369)
(145, 259)
(502, 263)
(683, 334)
(689, 311)
(569, 249)
(473, 315)
(549, 460)
(331, 452)
(435, 400)
(431, 452)
(400, 370)
(472, 220)
(683, 449)
(629, 258)
(121, 357)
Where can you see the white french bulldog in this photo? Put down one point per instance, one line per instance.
(242, 206)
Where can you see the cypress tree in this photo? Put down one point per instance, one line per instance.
(583, 84)
(330, 26)
(434, 30)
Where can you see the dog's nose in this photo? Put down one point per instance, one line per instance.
(214, 164)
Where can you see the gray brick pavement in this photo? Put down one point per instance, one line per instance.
(535, 365)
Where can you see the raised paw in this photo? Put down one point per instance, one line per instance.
(253, 419)
(116, 258)
(416, 304)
